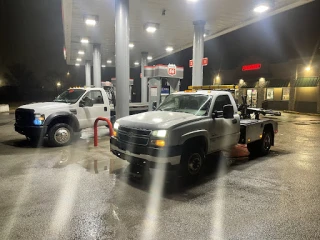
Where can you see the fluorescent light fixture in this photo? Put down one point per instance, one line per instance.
(90, 22)
(131, 45)
(261, 8)
(84, 40)
(169, 49)
(151, 29)
(109, 61)
(149, 57)
(81, 52)
(79, 59)
(103, 66)
(77, 64)
(136, 63)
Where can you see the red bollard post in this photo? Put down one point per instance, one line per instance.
(95, 129)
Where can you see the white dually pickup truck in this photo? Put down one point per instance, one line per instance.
(71, 111)
(187, 127)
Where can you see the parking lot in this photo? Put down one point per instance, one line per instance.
(71, 193)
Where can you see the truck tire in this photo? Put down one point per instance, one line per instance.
(192, 161)
(261, 147)
(60, 134)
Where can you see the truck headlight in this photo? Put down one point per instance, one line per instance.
(159, 133)
(38, 119)
(115, 129)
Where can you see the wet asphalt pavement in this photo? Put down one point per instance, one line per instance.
(63, 193)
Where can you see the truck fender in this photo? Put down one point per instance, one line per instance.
(56, 115)
(193, 134)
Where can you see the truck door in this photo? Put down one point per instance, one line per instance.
(99, 109)
(224, 132)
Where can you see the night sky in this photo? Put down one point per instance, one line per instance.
(32, 34)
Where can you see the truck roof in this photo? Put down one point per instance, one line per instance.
(87, 88)
(203, 92)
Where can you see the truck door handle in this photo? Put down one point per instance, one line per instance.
(105, 109)
(234, 121)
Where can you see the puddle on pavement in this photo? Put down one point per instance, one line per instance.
(91, 164)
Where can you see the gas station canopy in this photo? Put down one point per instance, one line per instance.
(172, 19)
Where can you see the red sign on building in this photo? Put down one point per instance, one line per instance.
(205, 62)
(251, 67)
(172, 70)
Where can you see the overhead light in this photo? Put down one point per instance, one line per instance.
(261, 8)
(136, 63)
(81, 52)
(169, 49)
(84, 40)
(77, 64)
(109, 61)
(149, 57)
(192, 0)
(204, 35)
(90, 22)
(131, 45)
(308, 68)
(79, 59)
(103, 66)
(151, 27)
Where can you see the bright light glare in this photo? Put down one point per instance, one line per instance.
(136, 63)
(192, 0)
(77, 64)
(79, 59)
(261, 9)
(58, 84)
(131, 45)
(149, 57)
(84, 40)
(116, 126)
(151, 29)
(103, 66)
(109, 61)
(159, 133)
(91, 22)
(169, 49)
(81, 52)
(308, 68)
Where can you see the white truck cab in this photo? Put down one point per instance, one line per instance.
(71, 111)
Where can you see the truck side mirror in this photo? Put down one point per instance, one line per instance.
(86, 102)
(228, 111)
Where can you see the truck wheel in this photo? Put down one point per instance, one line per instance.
(261, 147)
(60, 134)
(192, 161)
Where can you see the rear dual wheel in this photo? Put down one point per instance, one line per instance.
(261, 147)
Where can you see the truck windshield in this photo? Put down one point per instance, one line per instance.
(70, 96)
(196, 104)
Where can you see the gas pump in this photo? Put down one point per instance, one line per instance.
(114, 83)
(155, 75)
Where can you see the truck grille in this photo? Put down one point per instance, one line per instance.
(134, 136)
(24, 117)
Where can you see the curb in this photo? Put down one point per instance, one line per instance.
(300, 113)
(4, 108)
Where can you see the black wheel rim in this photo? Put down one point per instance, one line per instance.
(194, 163)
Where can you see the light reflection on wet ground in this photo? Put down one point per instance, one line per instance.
(68, 192)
